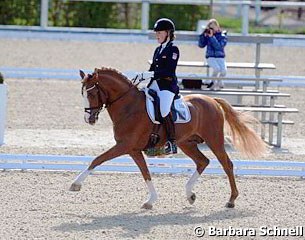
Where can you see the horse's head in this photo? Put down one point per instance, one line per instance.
(94, 97)
(103, 87)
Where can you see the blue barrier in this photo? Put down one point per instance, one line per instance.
(156, 165)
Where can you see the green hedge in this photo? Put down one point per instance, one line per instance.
(117, 15)
(20, 12)
(185, 17)
(98, 14)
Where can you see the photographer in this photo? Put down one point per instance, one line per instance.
(215, 40)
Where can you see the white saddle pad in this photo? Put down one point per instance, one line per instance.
(183, 112)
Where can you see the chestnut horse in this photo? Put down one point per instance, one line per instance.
(132, 127)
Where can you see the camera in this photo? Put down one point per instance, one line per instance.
(208, 31)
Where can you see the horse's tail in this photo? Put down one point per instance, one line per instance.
(244, 138)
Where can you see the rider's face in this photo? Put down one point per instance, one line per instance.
(161, 36)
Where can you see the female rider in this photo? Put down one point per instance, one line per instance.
(164, 80)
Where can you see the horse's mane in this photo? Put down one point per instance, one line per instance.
(113, 71)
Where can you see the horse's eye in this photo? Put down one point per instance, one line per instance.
(90, 95)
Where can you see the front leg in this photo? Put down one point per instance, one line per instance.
(139, 159)
(115, 151)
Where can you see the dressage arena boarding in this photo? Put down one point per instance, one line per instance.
(47, 144)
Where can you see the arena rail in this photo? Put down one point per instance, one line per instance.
(145, 8)
(156, 165)
(73, 74)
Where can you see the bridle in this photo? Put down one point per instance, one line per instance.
(98, 108)
(102, 98)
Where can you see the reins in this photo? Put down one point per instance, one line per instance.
(118, 98)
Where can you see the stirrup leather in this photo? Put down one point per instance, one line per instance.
(170, 147)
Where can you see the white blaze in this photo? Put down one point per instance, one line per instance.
(86, 105)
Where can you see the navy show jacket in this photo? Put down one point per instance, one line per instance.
(164, 66)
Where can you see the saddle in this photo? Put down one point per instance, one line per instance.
(179, 109)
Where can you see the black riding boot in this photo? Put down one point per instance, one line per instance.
(170, 145)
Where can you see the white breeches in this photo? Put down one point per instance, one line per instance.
(166, 99)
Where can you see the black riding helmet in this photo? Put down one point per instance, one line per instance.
(164, 24)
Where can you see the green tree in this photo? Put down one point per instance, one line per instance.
(98, 14)
(92, 14)
(20, 12)
(185, 17)
(128, 15)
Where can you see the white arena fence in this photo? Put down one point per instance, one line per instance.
(156, 165)
(73, 75)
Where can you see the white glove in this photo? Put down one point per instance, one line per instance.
(142, 77)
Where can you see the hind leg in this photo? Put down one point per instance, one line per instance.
(201, 161)
(228, 168)
(227, 165)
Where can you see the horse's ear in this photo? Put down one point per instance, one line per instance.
(96, 71)
(82, 74)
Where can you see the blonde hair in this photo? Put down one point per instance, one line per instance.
(214, 22)
(172, 35)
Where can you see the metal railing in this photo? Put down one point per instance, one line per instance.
(156, 165)
(146, 7)
(245, 5)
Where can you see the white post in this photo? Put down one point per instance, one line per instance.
(44, 10)
(223, 8)
(211, 8)
(145, 15)
(257, 11)
(238, 11)
(245, 21)
(3, 99)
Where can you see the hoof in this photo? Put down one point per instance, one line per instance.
(147, 206)
(230, 205)
(192, 198)
(75, 187)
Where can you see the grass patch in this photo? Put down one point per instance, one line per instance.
(230, 24)
(234, 25)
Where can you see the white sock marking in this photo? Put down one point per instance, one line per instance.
(82, 176)
(152, 193)
(191, 182)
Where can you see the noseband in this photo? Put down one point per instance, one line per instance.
(98, 108)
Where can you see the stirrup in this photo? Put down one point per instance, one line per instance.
(170, 148)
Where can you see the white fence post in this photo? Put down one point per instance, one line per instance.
(3, 99)
(145, 15)
(245, 20)
(44, 10)
(257, 11)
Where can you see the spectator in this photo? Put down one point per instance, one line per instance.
(215, 40)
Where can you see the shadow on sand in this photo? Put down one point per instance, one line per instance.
(139, 223)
